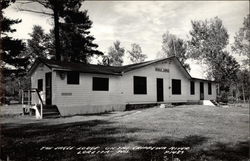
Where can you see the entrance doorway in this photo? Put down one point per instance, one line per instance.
(159, 84)
(201, 91)
(48, 91)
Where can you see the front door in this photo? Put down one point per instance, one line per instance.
(201, 91)
(48, 92)
(159, 85)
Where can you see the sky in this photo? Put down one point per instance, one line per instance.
(142, 22)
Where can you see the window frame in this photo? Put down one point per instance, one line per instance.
(95, 80)
(174, 92)
(140, 88)
(69, 78)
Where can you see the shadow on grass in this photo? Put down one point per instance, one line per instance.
(172, 146)
(106, 113)
(217, 152)
(24, 143)
(35, 129)
(225, 152)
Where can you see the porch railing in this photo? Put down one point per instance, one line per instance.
(32, 98)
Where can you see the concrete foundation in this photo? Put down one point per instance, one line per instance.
(89, 109)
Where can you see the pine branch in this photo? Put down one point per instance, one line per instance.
(38, 12)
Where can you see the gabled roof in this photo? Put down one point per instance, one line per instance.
(101, 69)
(91, 68)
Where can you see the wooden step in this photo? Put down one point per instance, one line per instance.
(50, 111)
(47, 115)
(51, 116)
(49, 107)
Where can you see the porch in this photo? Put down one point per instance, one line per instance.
(33, 104)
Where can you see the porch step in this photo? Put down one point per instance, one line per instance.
(215, 103)
(50, 111)
(207, 102)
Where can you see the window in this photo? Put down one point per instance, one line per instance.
(140, 85)
(209, 88)
(72, 77)
(176, 86)
(192, 88)
(100, 84)
(40, 84)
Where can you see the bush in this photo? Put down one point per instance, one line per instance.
(223, 97)
(231, 99)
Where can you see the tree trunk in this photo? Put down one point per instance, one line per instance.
(237, 93)
(56, 23)
(243, 93)
(1, 61)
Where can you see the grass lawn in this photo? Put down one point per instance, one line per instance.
(181, 133)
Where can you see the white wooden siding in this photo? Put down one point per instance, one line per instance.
(80, 98)
(39, 73)
(213, 94)
(83, 94)
(152, 75)
(196, 96)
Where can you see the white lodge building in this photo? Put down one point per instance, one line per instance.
(84, 88)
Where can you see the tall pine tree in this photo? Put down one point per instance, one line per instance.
(72, 39)
(12, 61)
(39, 44)
(11, 48)
(77, 43)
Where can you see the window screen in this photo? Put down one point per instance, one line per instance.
(100, 84)
(209, 88)
(140, 85)
(72, 77)
(192, 88)
(176, 86)
(40, 84)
